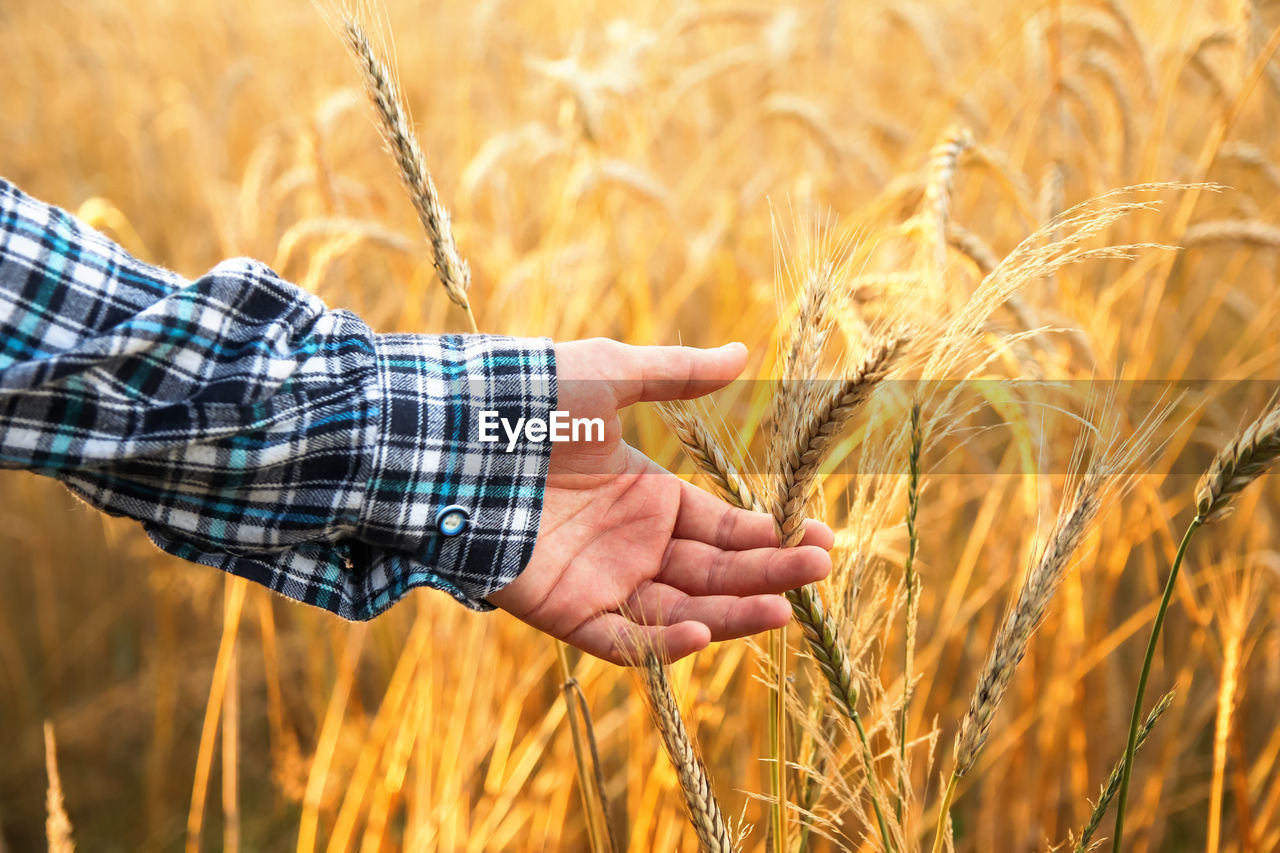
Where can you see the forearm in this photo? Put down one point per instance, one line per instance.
(251, 428)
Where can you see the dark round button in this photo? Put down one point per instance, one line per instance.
(453, 519)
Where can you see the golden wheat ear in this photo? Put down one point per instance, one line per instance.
(397, 129)
(833, 411)
(1244, 459)
(704, 809)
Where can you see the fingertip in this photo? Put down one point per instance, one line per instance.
(680, 372)
(817, 563)
(698, 633)
(730, 359)
(818, 534)
(684, 638)
(776, 612)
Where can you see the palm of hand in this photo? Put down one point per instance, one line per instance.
(600, 544)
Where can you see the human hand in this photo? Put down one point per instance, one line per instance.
(628, 555)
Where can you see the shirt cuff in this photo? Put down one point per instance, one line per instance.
(463, 510)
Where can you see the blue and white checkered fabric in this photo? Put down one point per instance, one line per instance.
(252, 429)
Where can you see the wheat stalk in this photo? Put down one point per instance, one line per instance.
(909, 580)
(1015, 633)
(1237, 464)
(821, 632)
(397, 129)
(1231, 665)
(1107, 473)
(704, 810)
(823, 635)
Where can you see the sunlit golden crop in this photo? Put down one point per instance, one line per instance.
(682, 172)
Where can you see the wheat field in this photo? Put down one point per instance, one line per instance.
(805, 177)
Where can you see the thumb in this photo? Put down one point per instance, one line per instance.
(648, 374)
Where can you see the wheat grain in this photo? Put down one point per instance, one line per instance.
(823, 634)
(397, 129)
(338, 227)
(971, 246)
(707, 454)
(808, 116)
(627, 176)
(936, 206)
(801, 359)
(1052, 193)
(1253, 157)
(1243, 460)
(704, 810)
(1074, 91)
(1137, 47)
(1028, 612)
(1111, 75)
(1196, 61)
(808, 447)
(807, 334)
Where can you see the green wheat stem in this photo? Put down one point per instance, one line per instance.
(869, 760)
(909, 578)
(1136, 718)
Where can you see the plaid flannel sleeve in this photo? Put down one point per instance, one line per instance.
(252, 429)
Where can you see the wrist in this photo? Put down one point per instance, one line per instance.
(467, 510)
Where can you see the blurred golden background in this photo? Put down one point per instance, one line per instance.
(631, 170)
